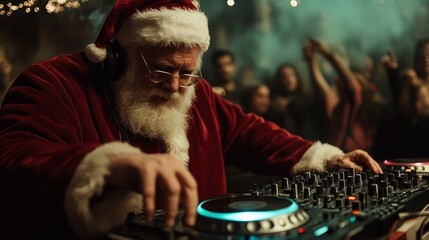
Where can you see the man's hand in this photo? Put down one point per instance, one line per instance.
(318, 46)
(219, 91)
(308, 52)
(157, 175)
(389, 60)
(357, 159)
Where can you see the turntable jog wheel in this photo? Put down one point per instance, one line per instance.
(420, 165)
(249, 215)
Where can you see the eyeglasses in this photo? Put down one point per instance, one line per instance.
(159, 76)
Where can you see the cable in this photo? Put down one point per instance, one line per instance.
(422, 226)
(403, 217)
(413, 214)
(425, 214)
(114, 113)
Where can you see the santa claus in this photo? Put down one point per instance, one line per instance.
(87, 137)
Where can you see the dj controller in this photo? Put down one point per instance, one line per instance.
(331, 205)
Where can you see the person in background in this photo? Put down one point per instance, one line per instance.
(413, 142)
(82, 145)
(5, 71)
(225, 72)
(408, 102)
(256, 100)
(289, 102)
(421, 60)
(351, 104)
(399, 79)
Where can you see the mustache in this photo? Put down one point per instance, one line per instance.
(160, 93)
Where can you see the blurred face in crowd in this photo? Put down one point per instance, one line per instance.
(225, 68)
(289, 79)
(154, 109)
(422, 103)
(422, 61)
(260, 100)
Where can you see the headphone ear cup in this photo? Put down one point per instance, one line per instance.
(113, 67)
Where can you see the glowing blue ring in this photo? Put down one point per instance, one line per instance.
(246, 216)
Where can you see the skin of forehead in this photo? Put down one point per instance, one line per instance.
(174, 57)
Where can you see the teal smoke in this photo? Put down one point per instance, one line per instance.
(356, 27)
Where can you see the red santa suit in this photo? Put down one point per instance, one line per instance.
(58, 134)
(57, 113)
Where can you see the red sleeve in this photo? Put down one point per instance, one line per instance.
(42, 142)
(251, 143)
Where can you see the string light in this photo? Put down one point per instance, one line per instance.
(230, 3)
(294, 3)
(28, 6)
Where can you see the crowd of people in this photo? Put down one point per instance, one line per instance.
(346, 108)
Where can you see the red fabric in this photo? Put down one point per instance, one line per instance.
(56, 112)
(123, 9)
(347, 130)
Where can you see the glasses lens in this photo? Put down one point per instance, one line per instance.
(158, 76)
(188, 80)
(184, 80)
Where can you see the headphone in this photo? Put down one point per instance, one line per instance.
(111, 69)
(115, 63)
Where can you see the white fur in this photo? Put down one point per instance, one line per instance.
(94, 53)
(315, 158)
(88, 181)
(166, 27)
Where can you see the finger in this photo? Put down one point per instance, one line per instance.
(148, 191)
(355, 166)
(373, 166)
(365, 159)
(189, 196)
(376, 166)
(346, 162)
(380, 170)
(392, 55)
(172, 191)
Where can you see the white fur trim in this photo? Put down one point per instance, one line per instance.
(95, 54)
(315, 158)
(166, 27)
(88, 181)
(196, 3)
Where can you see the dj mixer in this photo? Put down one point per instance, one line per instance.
(331, 205)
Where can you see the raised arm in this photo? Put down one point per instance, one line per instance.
(345, 73)
(315, 72)
(329, 94)
(391, 66)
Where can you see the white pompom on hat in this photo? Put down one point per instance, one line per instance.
(152, 23)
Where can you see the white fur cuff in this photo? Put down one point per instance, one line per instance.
(88, 181)
(315, 158)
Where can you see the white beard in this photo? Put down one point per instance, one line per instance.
(142, 114)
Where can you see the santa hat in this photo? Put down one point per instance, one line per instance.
(152, 23)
